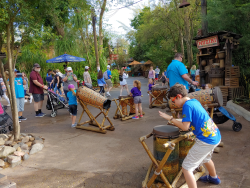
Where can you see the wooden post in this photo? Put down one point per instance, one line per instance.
(95, 38)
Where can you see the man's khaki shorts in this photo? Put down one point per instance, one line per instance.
(109, 83)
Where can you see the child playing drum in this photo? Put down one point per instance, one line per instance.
(207, 135)
(150, 85)
(136, 93)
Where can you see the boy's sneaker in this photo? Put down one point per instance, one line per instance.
(22, 118)
(209, 179)
(39, 115)
(135, 117)
(25, 100)
(8, 104)
(19, 121)
(74, 125)
(31, 97)
(141, 116)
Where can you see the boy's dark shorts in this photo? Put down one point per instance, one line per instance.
(164, 81)
(73, 109)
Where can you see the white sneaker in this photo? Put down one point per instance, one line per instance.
(25, 100)
(8, 104)
(31, 97)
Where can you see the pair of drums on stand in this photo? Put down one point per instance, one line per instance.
(126, 102)
(159, 90)
(163, 134)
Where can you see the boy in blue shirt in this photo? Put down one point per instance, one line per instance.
(19, 82)
(207, 135)
(108, 81)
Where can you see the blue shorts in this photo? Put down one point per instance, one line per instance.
(73, 109)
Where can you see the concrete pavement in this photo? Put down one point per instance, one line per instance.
(83, 159)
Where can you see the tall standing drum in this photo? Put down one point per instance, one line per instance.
(158, 90)
(163, 134)
(207, 96)
(124, 105)
(93, 98)
(132, 106)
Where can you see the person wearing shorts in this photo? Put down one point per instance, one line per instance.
(71, 94)
(19, 82)
(207, 135)
(136, 93)
(108, 81)
(36, 88)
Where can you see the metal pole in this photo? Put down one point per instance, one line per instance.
(203, 15)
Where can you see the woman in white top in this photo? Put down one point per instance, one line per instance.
(123, 83)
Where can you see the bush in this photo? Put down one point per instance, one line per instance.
(93, 76)
(115, 76)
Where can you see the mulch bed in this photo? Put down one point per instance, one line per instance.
(245, 106)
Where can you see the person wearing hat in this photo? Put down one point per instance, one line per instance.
(19, 91)
(69, 78)
(86, 76)
(36, 88)
(157, 72)
(108, 81)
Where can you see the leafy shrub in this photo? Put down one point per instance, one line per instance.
(93, 76)
(115, 76)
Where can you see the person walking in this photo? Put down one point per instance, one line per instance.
(136, 93)
(177, 72)
(36, 88)
(157, 72)
(192, 72)
(69, 78)
(87, 78)
(151, 73)
(123, 83)
(107, 77)
(19, 82)
(101, 82)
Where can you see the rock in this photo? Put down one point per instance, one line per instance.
(32, 139)
(26, 151)
(19, 149)
(16, 146)
(5, 159)
(23, 134)
(19, 153)
(25, 139)
(11, 138)
(13, 143)
(14, 160)
(36, 148)
(24, 147)
(8, 143)
(26, 157)
(1, 163)
(3, 136)
(29, 144)
(20, 144)
(38, 138)
(2, 142)
(7, 150)
(38, 142)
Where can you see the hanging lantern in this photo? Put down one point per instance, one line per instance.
(184, 4)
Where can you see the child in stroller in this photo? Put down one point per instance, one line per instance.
(6, 123)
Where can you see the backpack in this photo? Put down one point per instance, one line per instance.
(121, 78)
(105, 75)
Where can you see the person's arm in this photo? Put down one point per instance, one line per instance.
(186, 77)
(24, 82)
(58, 80)
(39, 84)
(65, 78)
(182, 125)
(75, 78)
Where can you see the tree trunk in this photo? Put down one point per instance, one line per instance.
(14, 111)
(100, 27)
(86, 47)
(95, 39)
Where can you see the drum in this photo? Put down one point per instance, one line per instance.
(132, 106)
(158, 90)
(163, 134)
(184, 147)
(207, 96)
(89, 96)
(124, 105)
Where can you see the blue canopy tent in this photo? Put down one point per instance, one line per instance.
(65, 58)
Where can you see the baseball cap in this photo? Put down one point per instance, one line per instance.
(108, 66)
(16, 70)
(69, 69)
(71, 86)
(86, 67)
(36, 65)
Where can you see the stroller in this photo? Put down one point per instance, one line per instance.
(6, 123)
(55, 102)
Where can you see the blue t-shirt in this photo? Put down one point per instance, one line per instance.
(135, 91)
(49, 79)
(19, 90)
(174, 72)
(192, 72)
(201, 124)
(109, 74)
(72, 98)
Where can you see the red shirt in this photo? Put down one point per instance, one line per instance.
(33, 87)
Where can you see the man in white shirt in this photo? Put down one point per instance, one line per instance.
(157, 72)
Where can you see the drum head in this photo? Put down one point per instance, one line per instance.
(123, 96)
(218, 96)
(166, 131)
(158, 88)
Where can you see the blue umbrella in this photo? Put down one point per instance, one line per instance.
(65, 58)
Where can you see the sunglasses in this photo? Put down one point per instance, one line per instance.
(174, 99)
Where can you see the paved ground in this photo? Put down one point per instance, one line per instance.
(82, 159)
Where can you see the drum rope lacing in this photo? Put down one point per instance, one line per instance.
(170, 145)
(157, 173)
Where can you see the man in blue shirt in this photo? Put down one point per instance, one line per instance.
(108, 81)
(19, 90)
(207, 135)
(177, 72)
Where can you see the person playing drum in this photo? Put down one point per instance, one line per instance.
(207, 135)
